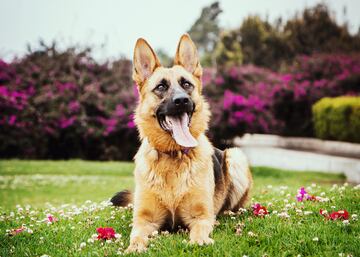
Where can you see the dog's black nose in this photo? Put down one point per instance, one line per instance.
(181, 100)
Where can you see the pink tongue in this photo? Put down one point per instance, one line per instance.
(181, 132)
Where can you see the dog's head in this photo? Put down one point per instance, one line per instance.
(171, 112)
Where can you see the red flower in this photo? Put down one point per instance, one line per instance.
(342, 215)
(259, 210)
(105, 233)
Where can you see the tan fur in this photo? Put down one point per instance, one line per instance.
(177, 185)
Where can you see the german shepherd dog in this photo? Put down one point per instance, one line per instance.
(180, 178)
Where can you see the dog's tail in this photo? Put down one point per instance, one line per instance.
(123, 198)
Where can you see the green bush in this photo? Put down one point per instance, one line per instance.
(337, 118)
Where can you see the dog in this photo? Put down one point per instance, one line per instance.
(180, 178)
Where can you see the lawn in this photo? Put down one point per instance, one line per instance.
(73, 195)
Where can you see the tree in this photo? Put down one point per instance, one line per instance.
(228, 50)
(317, 31)
(205, 32)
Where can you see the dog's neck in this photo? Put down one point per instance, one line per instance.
(185, 151)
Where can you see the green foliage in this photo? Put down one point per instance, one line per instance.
(337, 118)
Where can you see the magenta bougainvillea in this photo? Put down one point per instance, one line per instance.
(66, 105)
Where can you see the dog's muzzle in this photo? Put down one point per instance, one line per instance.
(174, 116)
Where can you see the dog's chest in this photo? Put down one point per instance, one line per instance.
(170, 185)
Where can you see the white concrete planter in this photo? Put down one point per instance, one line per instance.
(305, 154)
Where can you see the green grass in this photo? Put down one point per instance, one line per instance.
(31, 189)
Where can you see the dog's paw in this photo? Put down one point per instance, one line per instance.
(202, 241)
(137, 245)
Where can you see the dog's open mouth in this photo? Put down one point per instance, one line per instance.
(178, 126)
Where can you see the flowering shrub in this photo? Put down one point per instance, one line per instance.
(308, 80)
(62, 105)
(241, 101)
(257, 100)
(65, 105)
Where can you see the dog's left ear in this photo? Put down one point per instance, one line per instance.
(187, 56)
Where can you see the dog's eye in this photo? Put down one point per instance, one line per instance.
(161, 88)
(187, 85)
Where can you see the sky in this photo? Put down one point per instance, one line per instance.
(112, 26)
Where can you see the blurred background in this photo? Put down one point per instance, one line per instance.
(285, 68)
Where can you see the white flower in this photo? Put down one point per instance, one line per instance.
(117, 235)
(45, 255)
(357, 187)
(155, 233)
(307, 212)
(315, 239)
(82, 245)
(354, 217)
(90, 240)
(251, 234)
(346, 222)
(108, 241)
(94, 236)
(284, 215)
(322, 193)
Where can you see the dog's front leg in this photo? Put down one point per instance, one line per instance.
(197, 212)
(148, 217)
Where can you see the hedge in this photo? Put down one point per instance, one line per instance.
(337, 118)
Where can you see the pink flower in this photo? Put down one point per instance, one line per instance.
(301, 194)
(286, 78)
(16, 231)
(51, 218)
(12, 120)
(105, 233)
(74, 106)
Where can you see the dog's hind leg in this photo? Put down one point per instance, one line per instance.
(237, 166)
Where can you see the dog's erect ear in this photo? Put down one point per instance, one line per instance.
(145, 61)
(187, 56)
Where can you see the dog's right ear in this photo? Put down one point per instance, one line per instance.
(145, 61)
